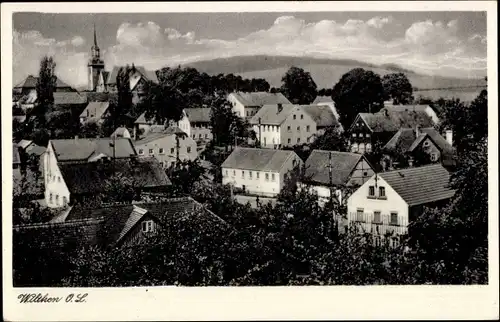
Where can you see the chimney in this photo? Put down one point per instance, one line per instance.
(280, 107)
(417, 131)
(449, 136)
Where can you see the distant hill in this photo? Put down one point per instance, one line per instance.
(327, 72)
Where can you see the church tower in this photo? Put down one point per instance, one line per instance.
(95, 65)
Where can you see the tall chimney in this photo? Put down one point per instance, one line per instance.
(280, 107)
(417, 131)
(449, 136)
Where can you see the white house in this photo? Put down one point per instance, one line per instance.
(71, 151)
(94, 112)
(327, 171)
(247, 104)
(259, 171)
(388, 201)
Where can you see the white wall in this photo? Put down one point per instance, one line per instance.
(237, 106)
(54, 182)
(185, 125)
(323, 193)
(257, 185)
(393, 203)
(269, 135)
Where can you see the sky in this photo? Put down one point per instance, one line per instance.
(435, 43)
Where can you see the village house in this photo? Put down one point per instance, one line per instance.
(259, 171)
(327, 171)
(76, 167)
(411, 142)
(142, 125)
(95, 112)
(326, 101)
(120, 224)
(278, 126)
(389, 201)
(371, 128)
(121, 132)
(199, 119)
(166, 145)
(415, 108)
(247, 105)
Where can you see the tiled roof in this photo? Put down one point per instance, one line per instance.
(64, 98)
(83, 149)
(91, 177)
(323, 99)
(149, 75)
(270, 114)
(258, 159)
(389, 120)
(200, 115)
(260, 98)
(406, 140)
(342, 164)
(421, 185)
(95, 110)
(321, 114)
(438, 139)
(98, 96)
(30, 82)
(15, 154)
(403, 139)
(153, 136)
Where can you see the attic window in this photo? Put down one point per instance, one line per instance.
(147, 226)
(426, 143)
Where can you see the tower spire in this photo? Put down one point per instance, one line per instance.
(95, 37)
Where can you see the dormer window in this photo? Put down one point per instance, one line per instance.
(147, 226)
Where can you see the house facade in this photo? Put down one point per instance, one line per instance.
(331, 171)
(389, 201)
(163, 146)
(142, 126)
(95, 112)
(259, 171)
(246, 105)
(200, 128)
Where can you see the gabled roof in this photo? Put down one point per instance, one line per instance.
(121, 132)
(342, 165)
(30, 82)
(323, 99)
(83, 149)
(406, 140)
(416, 108)
(389, 120)
(270, 114)
(95, 110)
(321, 114)
(24, 143)
(258, 159)
(260, 98)
(149, 75)
(421, 185)
(92, 177)
(198, 114)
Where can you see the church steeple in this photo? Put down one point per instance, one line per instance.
(95, 38)
(95, 48)
(95, 65)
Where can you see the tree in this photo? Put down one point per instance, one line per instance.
(122, 104)
(185, 174)
(45, 88)
(298, 86)
(358, 91)
(331, 139)
(226, 125)
(398, 88)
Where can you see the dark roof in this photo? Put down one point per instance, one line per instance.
(149, 75)
(271, 114)
(36, 149)
(98, 96)
(323, 99)
(421, 185)
(321, 114)
(200, 115)
(389, 120)
(83, 149)
(30, 82)
(142, 120)
(258, 159)
(90, 177)
(66, 98)
(15, 154)
(260, 98)
(406, 140)
(342, 164)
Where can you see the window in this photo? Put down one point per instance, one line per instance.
(289, 141)
(308, 128)
(226, 173)
(248, 113)
(272, 177)
(151, 151)
(354, 147)
(307, 140)
(57, 200)
(359, 215)
(267, 176)
(368, 147)
(58, 179)
(141, 151)
(367, 135)
(264, 128)
(301, 116)
(188, 149)
(376, 217)
(288, 128)
(257, 175)
(147, 226)
(371, 191)
(394, 218)
(365, 174)
(65, 201)
(172, 150)
(50, 197)
(162, 164)
(161, 151)
(250, 174)
(298, 128)
(294, 116)
(434, 157)
(426, 144)
(360, 135)
(234, 173)
(381, 192)
(199, 136)
(242, 174)
(354, 135)
(265, 141)
(298, 140)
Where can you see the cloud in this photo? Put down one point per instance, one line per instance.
(432, 47)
